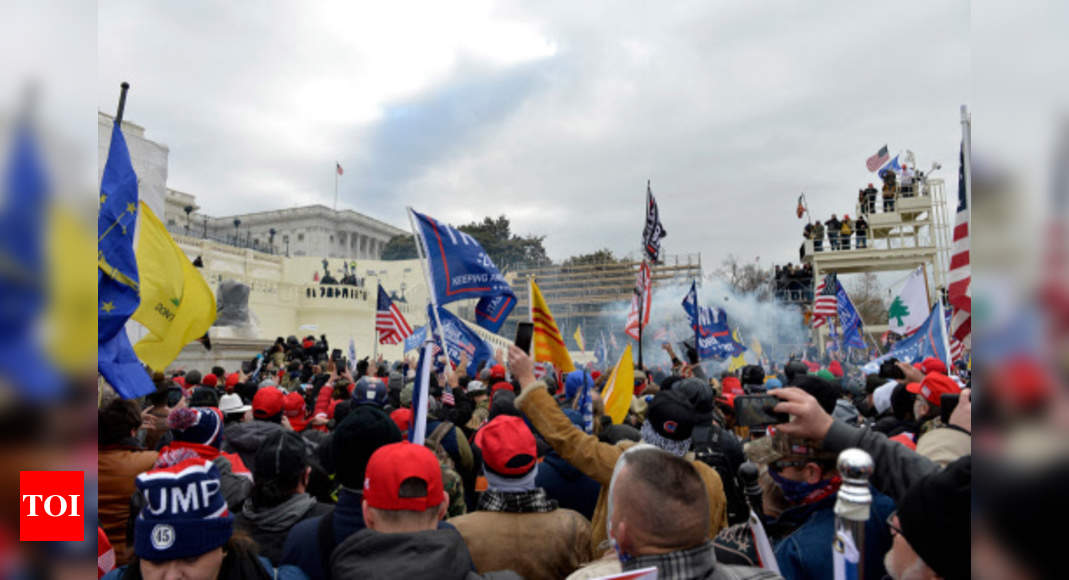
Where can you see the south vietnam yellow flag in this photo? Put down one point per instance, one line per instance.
(177, 306)
(548, 342)
(578, 336)
(620, 388)
(737, 362)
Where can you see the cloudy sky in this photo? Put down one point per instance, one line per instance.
(553, 113)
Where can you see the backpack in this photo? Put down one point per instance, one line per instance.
(845, 229)
(707, 449)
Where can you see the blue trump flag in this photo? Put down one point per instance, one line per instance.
(891, 165)
(459, 338)
(416, 338)
(712, 335)
(601, 351)
(930, 340)
(461, 269)
(22, 227)
(117, 281)
(849, 319)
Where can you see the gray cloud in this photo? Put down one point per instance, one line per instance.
(731, 110)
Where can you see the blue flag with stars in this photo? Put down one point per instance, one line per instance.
(21, 294)
(117, 281)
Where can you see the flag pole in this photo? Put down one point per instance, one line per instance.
(335, 186)
(125, 86)
(374, 326)
(432, 299)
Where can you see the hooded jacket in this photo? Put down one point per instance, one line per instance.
(597, 460)
(435, 554)
(270, 526)
(245, 438)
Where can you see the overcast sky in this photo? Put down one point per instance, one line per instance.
(553, 113)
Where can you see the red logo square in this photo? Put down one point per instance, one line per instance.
(51, 506)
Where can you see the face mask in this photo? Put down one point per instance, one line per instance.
(795, 491)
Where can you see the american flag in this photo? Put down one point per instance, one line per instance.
(389, 322)
(643, 293)
(826, 301)
(957, 349)
(959, 293)
(338, 168)
(876, 161)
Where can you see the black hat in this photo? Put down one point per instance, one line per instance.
(752, 375)
(935, 517)
(822, 390)
(794, 369)
(363, 431)
(282, 453)
(671, 416)
(504, 403)
(192, 379)
(204, 397)
(698, 393)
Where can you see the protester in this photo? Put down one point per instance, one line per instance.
(198, 432)
(185, 530)
(267, 411)
(658, 518)
(278, 499)
(845, 231)
(234, 410)
(565, 483)
(861, 229)
(311, 541)
(936, 502)
(119, 459)
(669, 427)
(403, 503)
(870, 199)
(817, 235)
(516, 526)
(927, 405)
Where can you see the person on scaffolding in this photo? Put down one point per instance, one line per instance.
(890, 189)
(861, 230)
(845, 231)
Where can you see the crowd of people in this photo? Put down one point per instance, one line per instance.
(896, 185)
(299, 465)
(793, 283)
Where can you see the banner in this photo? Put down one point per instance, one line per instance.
(712, 336)
(654, 230)
(459, 338)
(930, 340)
(418, 336)
(620, 388)
(421, 394)
(460, 269)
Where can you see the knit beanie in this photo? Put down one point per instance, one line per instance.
(363, 431)
(203, 425)
(184, 515)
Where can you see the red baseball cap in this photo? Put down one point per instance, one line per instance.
(931, 365)
(934, 386)
(390, 465)
(403, 418)
(231, 381)
(508, 446)
(836, 369)
(497, 372)
(209, 380)
(296, 411)
(732, 386)
(499, 386)
(267, 402)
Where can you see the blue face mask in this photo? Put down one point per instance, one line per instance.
(795, 491)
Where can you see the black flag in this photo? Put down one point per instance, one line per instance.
(654, 231)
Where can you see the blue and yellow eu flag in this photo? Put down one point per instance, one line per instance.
(22, 271)
(117, 281)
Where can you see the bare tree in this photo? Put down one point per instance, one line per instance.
(746, 278)
(869, 299)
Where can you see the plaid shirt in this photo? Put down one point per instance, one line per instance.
(697, 562)
(516, 502)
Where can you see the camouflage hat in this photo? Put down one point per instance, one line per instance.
(770, 449)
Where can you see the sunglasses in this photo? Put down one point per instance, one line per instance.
(779, 466)
(891, 523)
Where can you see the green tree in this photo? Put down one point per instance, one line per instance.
(898, 310)
(401, 247)
(506, 249)
(602, 256)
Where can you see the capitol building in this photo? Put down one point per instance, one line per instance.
(279, 255)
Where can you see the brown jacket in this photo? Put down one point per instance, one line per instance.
(546, 545)
(597, 459)
(117, 469)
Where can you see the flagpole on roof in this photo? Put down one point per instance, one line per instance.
(125, 86)
(432, 299)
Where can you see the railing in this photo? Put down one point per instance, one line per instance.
(235, 241)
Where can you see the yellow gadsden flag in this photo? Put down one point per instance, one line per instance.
(177, 306)
(620, 388)
(578, 336)
(548, 342)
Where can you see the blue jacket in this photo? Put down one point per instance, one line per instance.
(806, 552)
(566, 484)
(282, 573)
